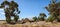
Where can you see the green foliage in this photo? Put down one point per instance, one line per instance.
(8, 20)
(10, 12)
(51, 18)
(35, 18)
(16, 18)
(41, 16)
(41, 19)
(54, 9)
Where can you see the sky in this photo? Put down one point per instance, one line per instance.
(28, 8)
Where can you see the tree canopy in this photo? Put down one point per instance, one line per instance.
(54, 9)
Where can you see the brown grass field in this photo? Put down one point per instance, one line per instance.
(33, 24)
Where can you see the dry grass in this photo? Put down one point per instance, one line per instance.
(33, 24)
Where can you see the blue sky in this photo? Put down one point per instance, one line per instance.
(31, 8)
(28, 8)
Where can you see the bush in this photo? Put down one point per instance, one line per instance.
(41, 19)
(51, 19)
(35, 18)
(8, 20)
(16, 18)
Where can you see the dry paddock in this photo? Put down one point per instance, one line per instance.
(33, 24)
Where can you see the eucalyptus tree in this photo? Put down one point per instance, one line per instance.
(11, 10)
(35, 18)
(54, 9)
(42, 16)
(7, 15)
(14, 8)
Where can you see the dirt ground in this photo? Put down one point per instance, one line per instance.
(28, 24)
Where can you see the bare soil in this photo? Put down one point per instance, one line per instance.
(28, 24)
